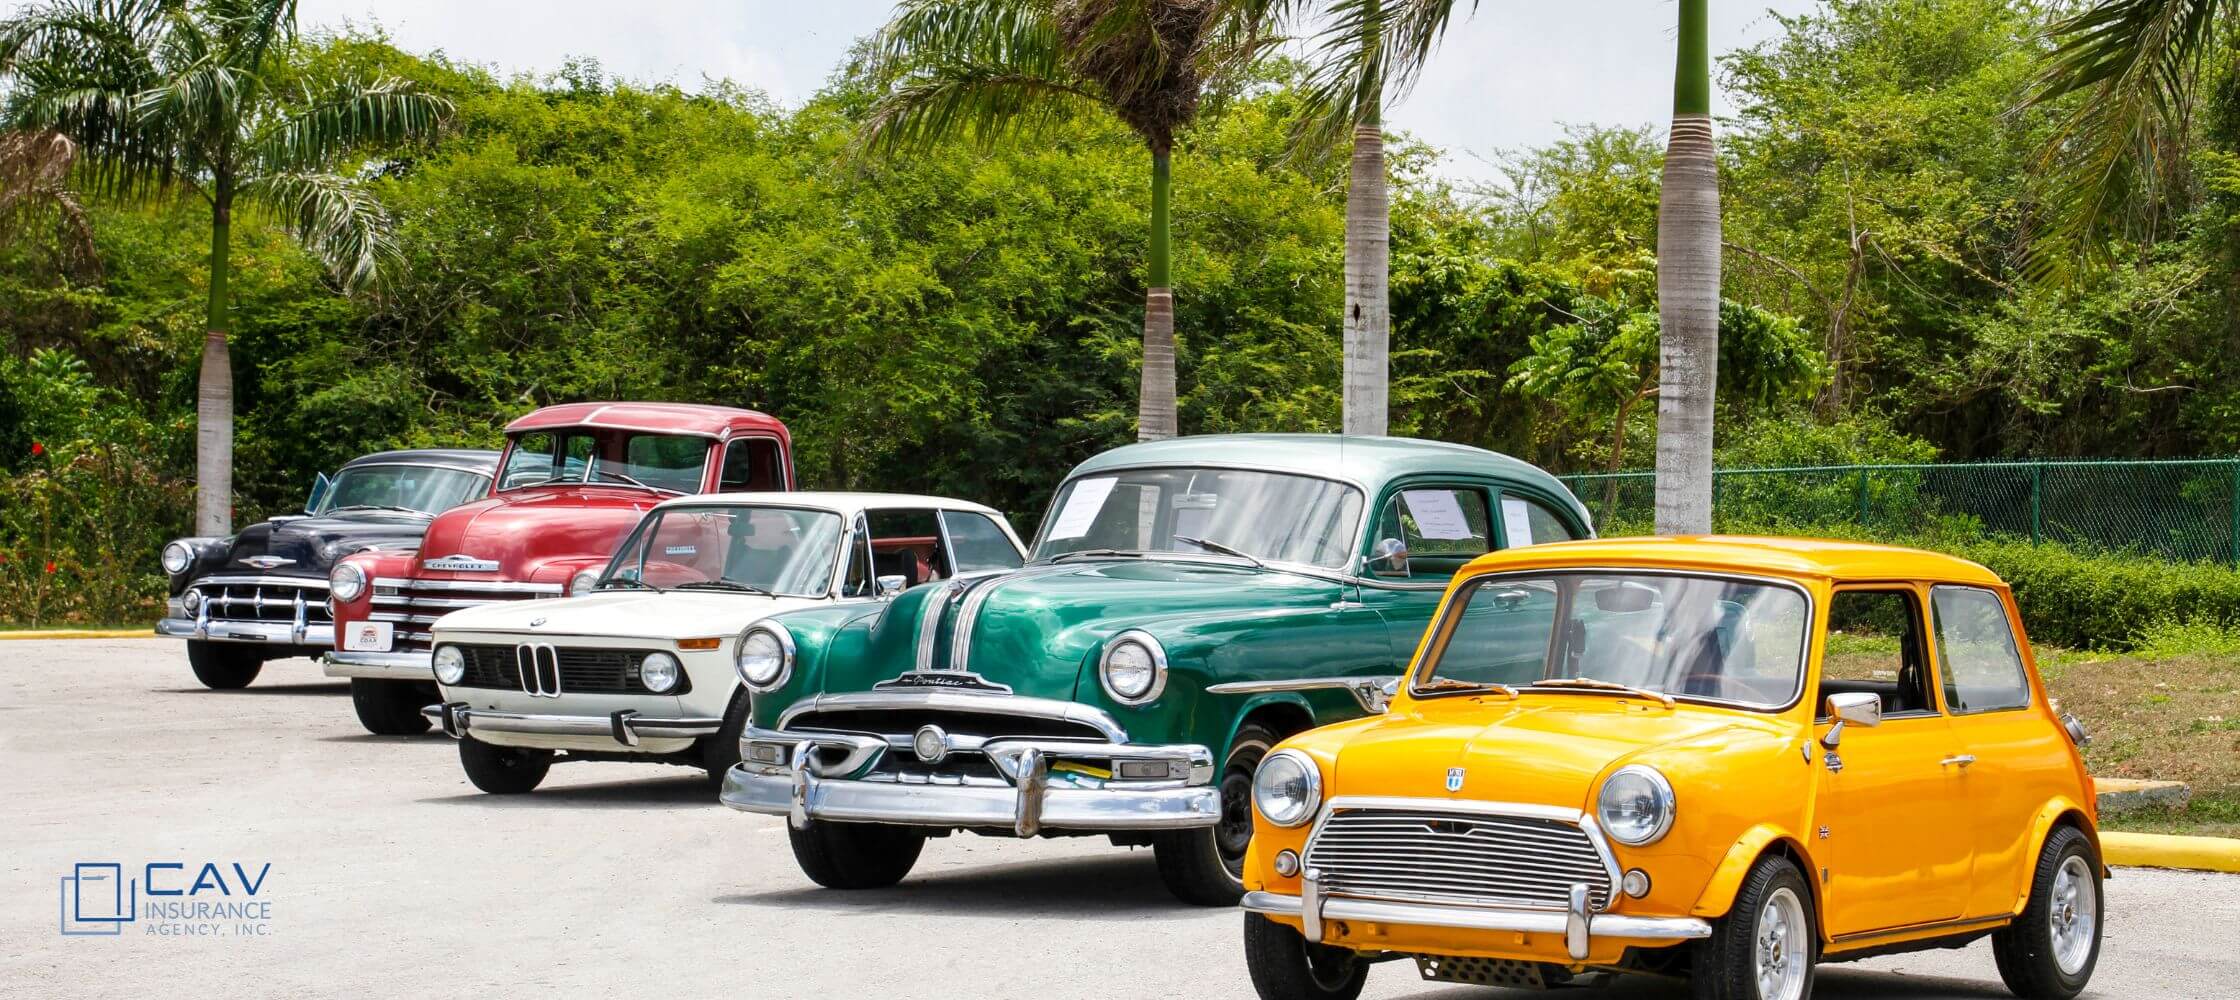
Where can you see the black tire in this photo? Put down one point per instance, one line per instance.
(2029, 960)
(722, 750)
(1284, 966)
(1206, 867)
(503, 770)
(855, 855)
(223, 666)
(1726, 966)
(390, 708)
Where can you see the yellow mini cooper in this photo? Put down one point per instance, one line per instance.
(1727, 759)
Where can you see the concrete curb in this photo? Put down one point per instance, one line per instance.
(72, 633)
(2156, 850)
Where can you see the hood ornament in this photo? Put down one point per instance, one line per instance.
(268, 562)
(949, 680)
(537, 621)
(462, 563)
(1454, 779)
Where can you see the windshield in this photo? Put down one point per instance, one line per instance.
(671, 463)
(1265, 515)
(423, 488)
(1699, 637)
(775, 550)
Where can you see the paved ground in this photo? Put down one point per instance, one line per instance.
(390, 874)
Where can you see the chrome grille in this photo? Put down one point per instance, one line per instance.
(1455, 853)
(580, 671)
(413, 605)
(264, 600)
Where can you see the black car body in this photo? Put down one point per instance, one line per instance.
(262, 594)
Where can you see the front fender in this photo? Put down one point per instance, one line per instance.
(1718, 894)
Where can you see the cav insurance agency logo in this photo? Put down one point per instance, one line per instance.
(100, 898)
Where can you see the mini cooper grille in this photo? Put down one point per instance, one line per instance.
(265, 602)
(1461, 857)
(581, 671)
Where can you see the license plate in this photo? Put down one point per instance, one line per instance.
(369, 637)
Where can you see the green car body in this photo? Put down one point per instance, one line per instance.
(1246, 649)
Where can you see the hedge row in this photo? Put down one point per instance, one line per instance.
(2090, 600)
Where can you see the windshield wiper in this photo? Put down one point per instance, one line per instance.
(635, 482)
(625, 583)
(1224, 549)
(379, 506)
(1451, 684)
(1086, 553)
(734, 585)
(1591, 684)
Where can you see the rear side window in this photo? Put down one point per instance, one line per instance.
(976, 543)
(1529, 522)
(1976, 649)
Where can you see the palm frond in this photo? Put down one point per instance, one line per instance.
(2133, 66)
(335, 218)
(977, 102)
(1020, 34)
(348, 116)
(35, 170)
(1368, 55)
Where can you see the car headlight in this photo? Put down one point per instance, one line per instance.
(1287, 789)
(177, 558)
(659, 672)
(1133, 668)
(583, 583)
(1636, 805)
(764, 656)
(451, 665)
(191, 601)
(347, 582)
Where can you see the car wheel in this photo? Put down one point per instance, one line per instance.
(503, 770)
(1206, 867)
(855, 855)
(1284, 965)
(223, 666)
(390, 708)
(2048, 952)
(1766, 945)
(722, 750)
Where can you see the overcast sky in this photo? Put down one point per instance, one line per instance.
(1510, 77)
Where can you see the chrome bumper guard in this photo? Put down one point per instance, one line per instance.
(418, 665)
(264, 633)
(828, 776)
(1577, 922)
(625, 727)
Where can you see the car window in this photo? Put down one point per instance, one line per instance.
(976, 543)
(1525, 521)
(1875, 647)
(1976, 647)
(750, 464)
(1266, 515)
(427, 489)
(1501, 635)
(539, 456)
(1437, 528)
(782, 550)
(662, 461)
(907, 543)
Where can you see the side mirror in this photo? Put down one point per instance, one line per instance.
(1389, 557)
(1854, 707)
(319, 488)
(891, 585)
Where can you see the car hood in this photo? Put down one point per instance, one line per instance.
(521, 530)
(310, 546)
(632, 613)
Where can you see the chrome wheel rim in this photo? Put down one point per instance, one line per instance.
(1784, 947)
(2073, 915)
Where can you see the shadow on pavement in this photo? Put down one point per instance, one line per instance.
(432, 736)
(329, 687)
(673, 792)
(1123, 885)
(1835, 982)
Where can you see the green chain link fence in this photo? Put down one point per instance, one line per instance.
(2185, 510)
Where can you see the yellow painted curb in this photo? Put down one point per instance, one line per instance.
(2157, 850)
(72, 633)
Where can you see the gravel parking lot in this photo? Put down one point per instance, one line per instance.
(389, 873)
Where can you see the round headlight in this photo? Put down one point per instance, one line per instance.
(347, 582)
(659, 672)
(765, 656)
(191, 600)
(177, 558)
(451, 665)
(583, 582)
(1636, 806)
(1287, 789)
(1133, 668)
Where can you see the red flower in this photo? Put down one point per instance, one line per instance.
(37, 449)
(50, 565)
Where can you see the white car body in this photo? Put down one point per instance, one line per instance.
(637, 621)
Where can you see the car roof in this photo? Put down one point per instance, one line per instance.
(485, 462)
(1824, 558)
(1371, 461)
(840, 501)
(663, 418)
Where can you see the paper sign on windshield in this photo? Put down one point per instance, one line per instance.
(1082, 507)
(1438, 514)
(1516, 517)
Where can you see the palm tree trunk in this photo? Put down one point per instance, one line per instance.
(1155, 404)
(213, 432)
(1368, 308)
(1688, 289)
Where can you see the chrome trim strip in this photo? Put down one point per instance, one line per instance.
(802, 790)
(968, 616)
(258, 579)
(954, 701)
(500, 586)
(408, 666)
(624, 727)
(1369, 690)
(930, 613)
(247, 632)
(1598, 925)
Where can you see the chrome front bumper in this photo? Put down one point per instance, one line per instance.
(418, 665)
(625, 727)
(263, 633)
(830, 776)
(1577, 922)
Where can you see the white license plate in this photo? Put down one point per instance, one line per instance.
(369, 637)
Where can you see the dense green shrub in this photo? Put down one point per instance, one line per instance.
(2106, 601)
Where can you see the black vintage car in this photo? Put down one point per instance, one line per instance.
(262, 594)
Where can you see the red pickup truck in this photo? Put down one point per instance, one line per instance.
(571, 482)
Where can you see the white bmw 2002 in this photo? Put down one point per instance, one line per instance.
(645, 667)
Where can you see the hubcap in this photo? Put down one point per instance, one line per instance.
(2073, 914)
(1784, 951)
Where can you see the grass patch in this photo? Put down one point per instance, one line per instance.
(2206, 816)
(2167, 639)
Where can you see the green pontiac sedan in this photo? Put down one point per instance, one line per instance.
(1188, 604)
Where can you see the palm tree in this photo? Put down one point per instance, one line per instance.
(984, 69)
(2134, 65)
(1369, 54)
(1688, 288)
(168, 96)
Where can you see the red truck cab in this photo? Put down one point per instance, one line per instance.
(571, 482)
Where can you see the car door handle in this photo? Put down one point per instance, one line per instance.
(1962, 759)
